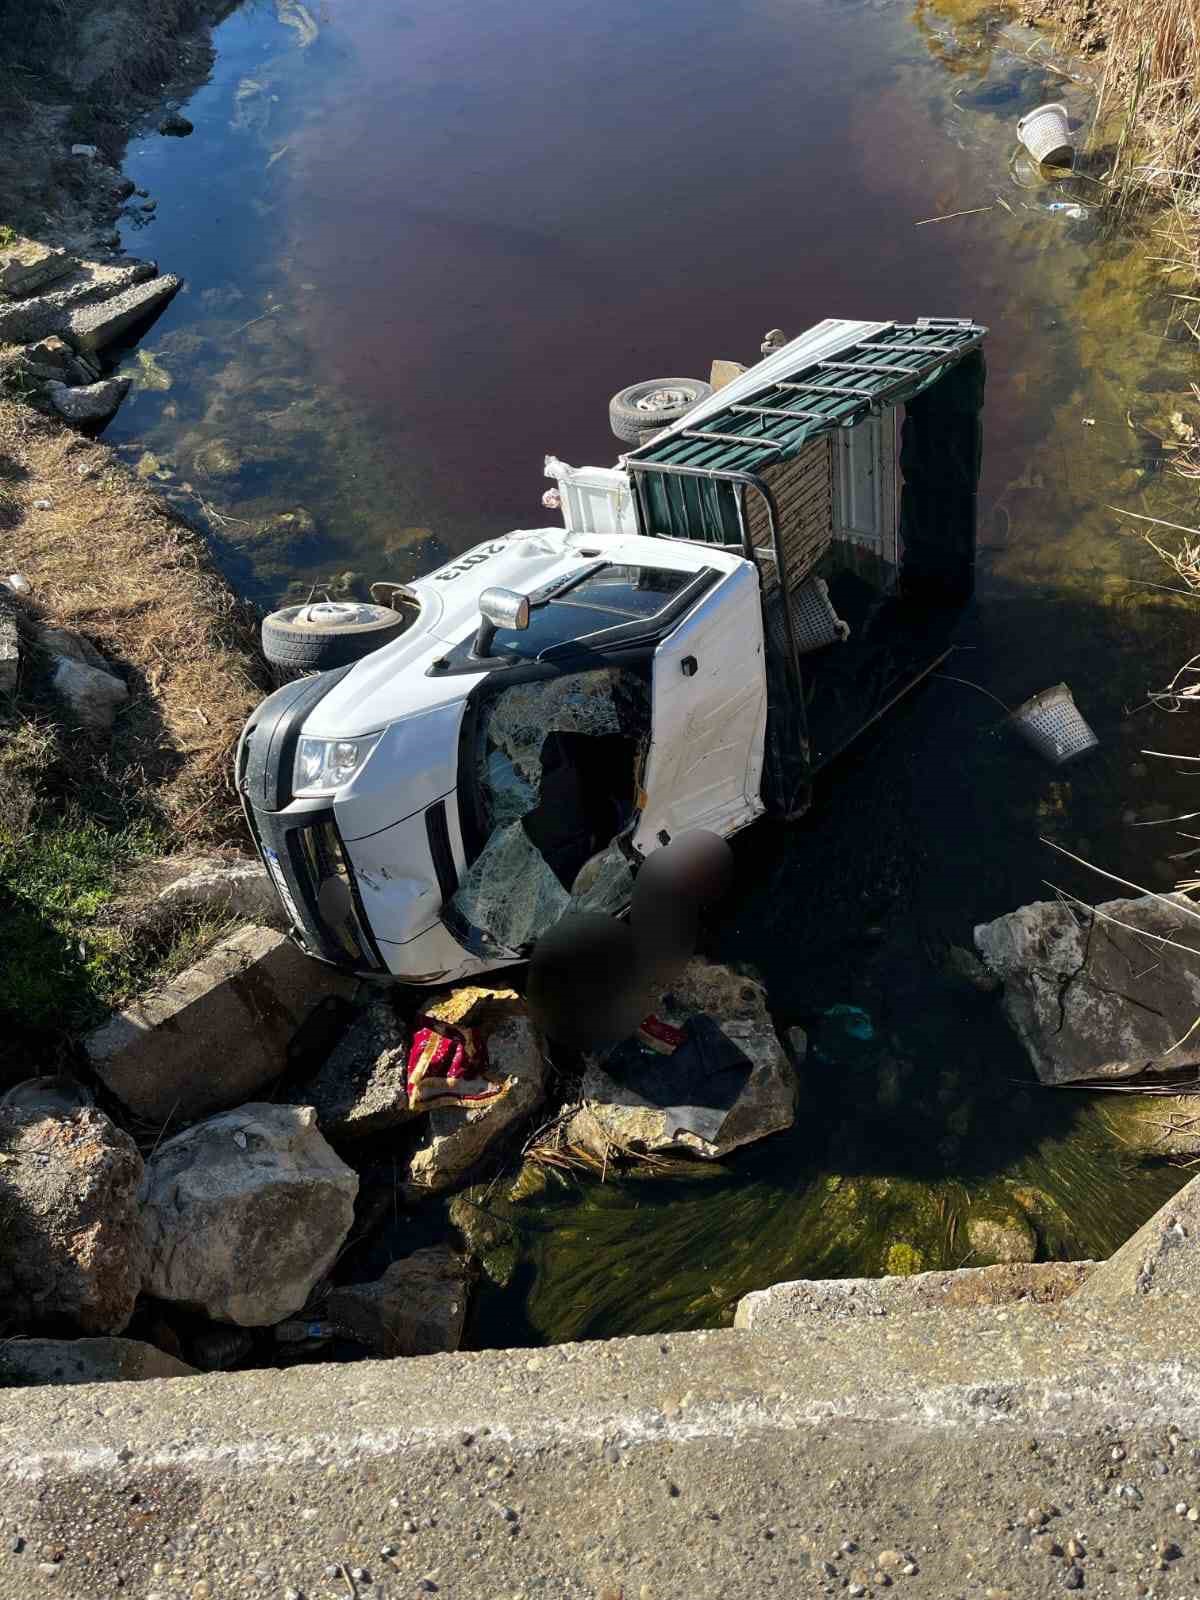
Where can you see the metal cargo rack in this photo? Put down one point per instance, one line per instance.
(691, 482)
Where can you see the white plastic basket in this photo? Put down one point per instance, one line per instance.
(1046, 134)
(1053, 724)
(814, 620)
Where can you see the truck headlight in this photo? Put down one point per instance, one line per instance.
(326, 764)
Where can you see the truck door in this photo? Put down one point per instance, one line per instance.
(708, 717)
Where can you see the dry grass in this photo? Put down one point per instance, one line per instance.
(1153, 74)
(108, 561)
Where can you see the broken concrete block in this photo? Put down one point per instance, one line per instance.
(87, 1361)
(237, 888)
(215, 1035)
(789, 1305)
(244, 1213)
(417, 1308)
(26, 267)
(72, 1243)
(94, 403)
(94, 696)
(638, 1100)
(1162, 1257)
(1099, 993)
(362, 1088)
(92, 327)
(10, 649)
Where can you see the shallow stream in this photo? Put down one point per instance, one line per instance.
(424, 242)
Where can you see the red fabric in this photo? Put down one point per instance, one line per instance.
(447, 1064)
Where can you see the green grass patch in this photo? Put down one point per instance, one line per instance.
(65, 961)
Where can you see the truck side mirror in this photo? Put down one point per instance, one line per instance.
(499, 608)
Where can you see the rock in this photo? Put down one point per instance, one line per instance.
(50, 1095)
(94, 696)
(244, 1213)
(485, 1221)
(837, 1299)
(87, 1361)
(966, 966)
(234, 888)
(89, 152)
(616, 1116)
(61, 642)
(175, 126)
(1082, 998)
(215, 1035)
(96, 402)
(997, 1238)
(288, 532)
(53, 352)
(92, 327)
(1162, 1257)
(26, 267)
(10, 648)
(417, 1308)
(362, 1087)
(69, 1221)
(217, 1349)
(459, 1136)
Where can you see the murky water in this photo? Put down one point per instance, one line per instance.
(422, 248)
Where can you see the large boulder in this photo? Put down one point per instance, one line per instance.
(417, 1308)
(27, 1361)
(362, 1086)
(1162, 1257)
(729, 1082)
(71, 1242)
(243, 1214)
(788, 1305)
(1099, 993)
(461, 1130)
(218, 1033)
(94, 696)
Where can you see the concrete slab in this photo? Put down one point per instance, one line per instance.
(92, 327)
(217, 1034)
(1163, 1257)
(683, 1467)
(785, 1305)
(58, 1361)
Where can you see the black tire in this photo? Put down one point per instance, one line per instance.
(328, 633)
(635, 411)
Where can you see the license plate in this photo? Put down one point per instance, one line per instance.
(280, 882)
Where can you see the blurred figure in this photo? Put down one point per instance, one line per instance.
(593, 979)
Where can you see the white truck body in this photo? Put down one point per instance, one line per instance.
(652, 645)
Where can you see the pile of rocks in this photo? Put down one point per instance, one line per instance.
(234, 1220)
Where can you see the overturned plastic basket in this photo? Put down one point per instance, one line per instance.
(1046, 134)
(1054, 725)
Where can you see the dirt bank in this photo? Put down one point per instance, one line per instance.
(98, 553)
(89, 73)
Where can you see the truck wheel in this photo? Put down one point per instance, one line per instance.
(328, 633)
(654, 404)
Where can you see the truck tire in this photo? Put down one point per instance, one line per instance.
(656, 404)
(328, 633)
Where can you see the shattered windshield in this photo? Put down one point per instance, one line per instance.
(556, 766)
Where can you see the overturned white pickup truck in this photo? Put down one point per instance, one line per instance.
(718, 617)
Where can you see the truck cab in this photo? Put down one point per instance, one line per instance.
(717, 617)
